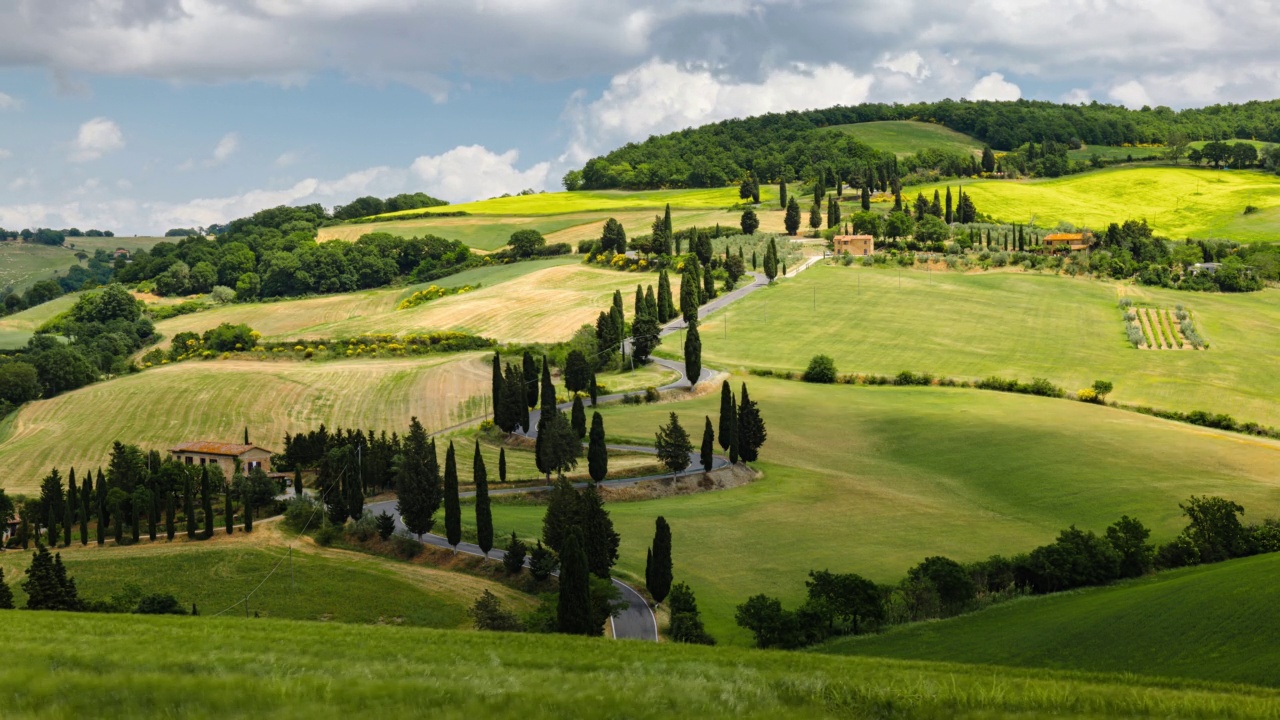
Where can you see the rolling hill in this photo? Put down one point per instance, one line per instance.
(1214, 622)
(1178, 202)
(243, 668)
(904, 137)
(1010, 324)
(874, 479)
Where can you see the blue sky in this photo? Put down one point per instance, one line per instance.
(140, 115)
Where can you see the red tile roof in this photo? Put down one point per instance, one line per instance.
(216, 448)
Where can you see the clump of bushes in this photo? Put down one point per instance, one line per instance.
(430, 293)
(822, 369)
(1037, 386)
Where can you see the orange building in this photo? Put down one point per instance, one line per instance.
(854, 244)
(1069, 242)
(223, 455)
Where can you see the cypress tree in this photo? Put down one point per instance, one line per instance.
(597, 453)
(948, 215)
(86, 496)
(708, 285)
(72, 504)
(228, 511)
(689, 291)
(618, 315)
(650, 302)
(499, 396)
(529, 370)
(815, 216)
(170, 512)
(935, 208)
(548, 390)
(297, 482)
(792, 219)
(666, 222)
(600, 540)
(693, 353)
(753, 260)
(24, 531)
(666, 304)
(578, 417)
(573, 607)
(188, 507)
(728, 418)
(751, 430)
(248, 512)
(782, 194)
(594, 388)
(452, 508)
(484, 514)
(206, 500)
(638, 302)
(137, 504)
(6, 595)
(708, 446)
(101, 493)
(658, 573)
(771, 260)
(835, 211)
(502, 464)
(866, 198)
(514, 411)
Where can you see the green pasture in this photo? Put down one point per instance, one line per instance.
(16, 329)
(874, 479)
(78, 665)
(1020, 325)
(905, 137)
(311, 585)
(1214, 622)
(23, 264)
(1178, 202)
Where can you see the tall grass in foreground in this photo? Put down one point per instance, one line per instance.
(65, 665)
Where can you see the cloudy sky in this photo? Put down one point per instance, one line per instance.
(140, 115)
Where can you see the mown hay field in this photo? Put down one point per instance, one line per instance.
(1178, 202)
(1011, 324)
(540, 301)
(217, 399)
(905, 137)
(874, 479)
(230, 668)
(1213, 622)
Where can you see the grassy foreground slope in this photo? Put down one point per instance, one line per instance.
(1009, 324)
(214, 400)
(1215, 622)
(523, 302)
(144, 667)
(1178, 202)
(311, 584)
(874, 479)
(905, 137)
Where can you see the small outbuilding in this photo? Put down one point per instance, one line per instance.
(1068, 242)
(223, 455)
(854, 244)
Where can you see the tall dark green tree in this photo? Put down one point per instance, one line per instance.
(771, 260)
(948, 215)
(708, 285)
(600, 540)
(693, 353)
(206, 501)
(728, 416)
(170, 515)
(988, 160)
(578, 418)
(866, 198)
(502, 464)
(597, 453)
(6, 594)
(452, 507)
(792, 219)
(52, 505)
(499, 394)
(815, 216)
(69, 509)
(782, 194)
(614, 237)
(645, 334)
(188, 509)
(558, 445)
(418, 491)
(749, 222)
(529, 369)
(690, 292)
(515, 412)
(228, 512)
(658, 570)
(573, 607)
(86, 506)
(751, 430)
(577, 372)
(618, 316)
(707, 454)
(673, 446)
(666, 303)
(484, 513)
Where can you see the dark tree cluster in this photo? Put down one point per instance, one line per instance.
(938, 587)
(369, 205)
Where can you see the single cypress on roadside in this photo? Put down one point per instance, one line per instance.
(659, 572)
(297, 482)
(707, 454)
(228, 512)
(452, 508)
(597, 453)
(693, 353)
(573, 606)
(727, 416)
(498, 394)
(594, 388)
(484, 513)
(578, 417)
(502, 465)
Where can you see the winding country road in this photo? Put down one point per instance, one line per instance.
(637, 621)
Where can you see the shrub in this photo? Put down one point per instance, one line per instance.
(406, 547)
(1179, 552)
(489, 614)
(513, 560)
(327, 534)
(364, 528)
(651, 395)
(302, 513)
(386, 526)
(1087, 395)
(159, 604)
(822, 369)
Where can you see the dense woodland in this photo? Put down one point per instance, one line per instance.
(789, 146)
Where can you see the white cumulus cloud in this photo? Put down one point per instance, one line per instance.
(659, 97)
(910, 64)
(472, 172)
(1130, 94)
(96, 138)
(993, 86)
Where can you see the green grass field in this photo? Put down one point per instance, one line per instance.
(874, 479)
(544, 300)
(1019, 325)
(1178, 202)
(75, 665)
(316, 584)
(16, 329)
(216, 399)
(1215, 622)
(905, 137)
